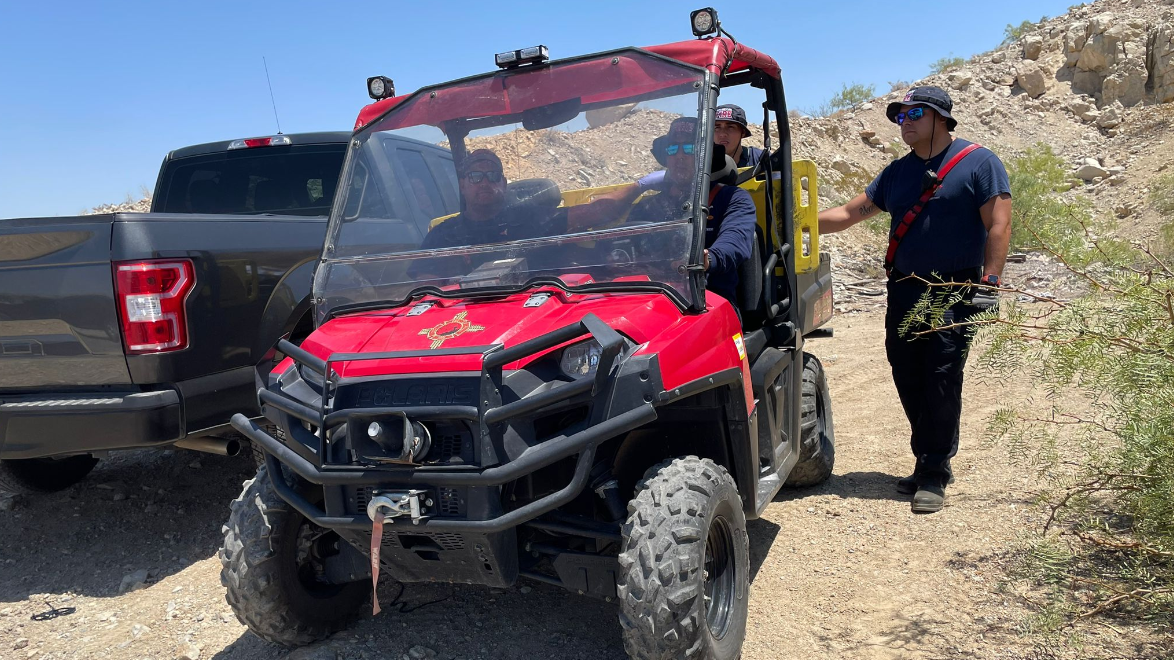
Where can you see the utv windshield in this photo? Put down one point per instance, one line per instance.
(522, 176)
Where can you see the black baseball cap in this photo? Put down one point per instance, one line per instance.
(931, 97)
(478, 156)
(732, 113)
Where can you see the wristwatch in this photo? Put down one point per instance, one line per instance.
(990, 280)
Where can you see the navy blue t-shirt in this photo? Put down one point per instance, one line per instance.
(729, 234)
(750, 156)
(949, 235)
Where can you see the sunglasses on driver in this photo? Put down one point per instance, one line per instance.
(477, 176)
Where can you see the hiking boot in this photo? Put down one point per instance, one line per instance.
(908, 485)
(929, 498)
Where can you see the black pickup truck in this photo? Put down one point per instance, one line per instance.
(131, 330)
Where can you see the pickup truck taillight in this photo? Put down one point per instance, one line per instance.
(151, 304)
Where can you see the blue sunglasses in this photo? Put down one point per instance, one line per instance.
(912, 115)
(671, 149)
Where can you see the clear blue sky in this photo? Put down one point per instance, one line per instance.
(94, 94)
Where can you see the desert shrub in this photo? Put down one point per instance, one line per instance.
(849, 95)
(945, 64)
(1162, 195)
(1103, 437)
(1039, 215)
(1013, 33)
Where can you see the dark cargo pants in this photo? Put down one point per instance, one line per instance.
(927, 371)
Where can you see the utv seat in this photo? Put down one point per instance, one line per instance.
(537, 194)
(751, 306)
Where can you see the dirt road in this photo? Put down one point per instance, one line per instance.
(842, 570)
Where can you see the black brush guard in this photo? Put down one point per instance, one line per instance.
(604, 424)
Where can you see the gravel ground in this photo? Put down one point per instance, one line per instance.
(843, 569)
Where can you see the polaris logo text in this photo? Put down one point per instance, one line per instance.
(383, 396)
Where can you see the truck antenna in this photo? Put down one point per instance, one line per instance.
(271, 99)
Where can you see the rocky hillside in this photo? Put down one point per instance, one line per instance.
(141, 205)
(1096, 84)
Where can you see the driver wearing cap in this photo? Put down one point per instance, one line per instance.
(482, 185)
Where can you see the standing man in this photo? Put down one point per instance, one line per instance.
(729, 129)
(951, 209)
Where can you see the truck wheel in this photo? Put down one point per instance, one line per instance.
(29, 476)
(817, 437)
(255, 450)
(684, 582)
(271, 568)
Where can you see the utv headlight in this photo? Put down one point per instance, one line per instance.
(582, 359)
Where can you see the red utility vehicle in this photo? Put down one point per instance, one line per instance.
(560, 400)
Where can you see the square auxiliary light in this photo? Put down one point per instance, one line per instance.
(704, 21)
(380, 87)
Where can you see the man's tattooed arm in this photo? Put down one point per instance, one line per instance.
(841, 217)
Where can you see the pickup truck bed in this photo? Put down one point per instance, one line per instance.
(66, 383)
(240, 224)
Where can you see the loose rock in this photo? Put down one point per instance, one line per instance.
(1031, 78)
(420, 653)
(1110, 116)
(134, 581)
(1033, 45)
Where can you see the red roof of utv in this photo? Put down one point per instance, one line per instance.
(716, 55)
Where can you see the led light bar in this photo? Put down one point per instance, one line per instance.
(515, 58)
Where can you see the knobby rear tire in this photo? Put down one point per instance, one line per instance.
(817, 438)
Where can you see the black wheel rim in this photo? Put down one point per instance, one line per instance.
(820, 417)
(314, 544)
(719, 577)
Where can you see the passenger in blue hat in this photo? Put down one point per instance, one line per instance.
(729, 229)
(950, 202)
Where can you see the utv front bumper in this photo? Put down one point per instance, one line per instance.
(468, 509)
(552, 450)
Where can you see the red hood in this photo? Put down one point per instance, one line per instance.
(465, 323)
(688, 346)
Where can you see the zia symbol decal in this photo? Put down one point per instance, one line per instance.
(450, 329)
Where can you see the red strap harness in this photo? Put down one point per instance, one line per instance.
(712, 196)
(912, 214)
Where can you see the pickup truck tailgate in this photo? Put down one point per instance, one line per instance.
(58, 320)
